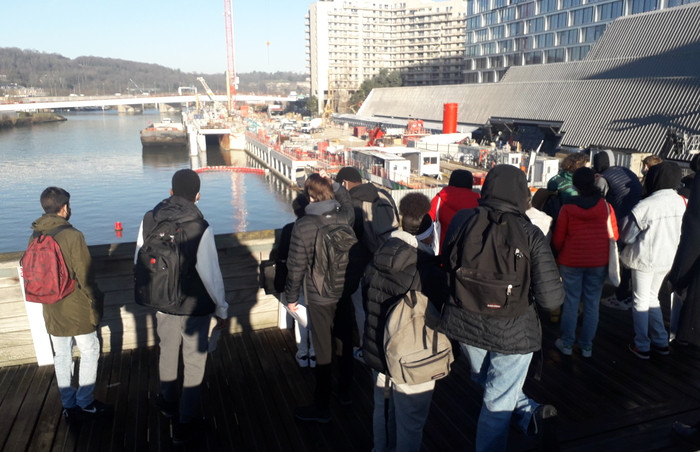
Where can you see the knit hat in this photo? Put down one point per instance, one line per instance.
(584, 181)
(186, 184)
(601, 161)
(461, 178)
(348, 173)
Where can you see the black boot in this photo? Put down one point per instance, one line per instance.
(319, 411)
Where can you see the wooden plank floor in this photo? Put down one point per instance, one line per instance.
(611, 402)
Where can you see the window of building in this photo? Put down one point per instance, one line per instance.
(496, 61)
(472, 50)
(491, 18)
(567, 37)
(500, 3)
(610, 11)
(526, 10)
(535, 25)
(471, 77)
(482, 35)
(578, 53)
(544, 40)
(566, 4)
(555, 56)
(515, 29)
(508, 14)
(481, 63)
(524, 43)
(505, 46)
(483, 5)
(488, 48)
(488, 77)
(591, 34)
(533, 57)
(546, 6)
(556, 21)
(641, 6)
(514, 60)
(498, 32)
(473, 22)
(582, 16)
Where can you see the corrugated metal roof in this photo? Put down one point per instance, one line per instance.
(622, 96)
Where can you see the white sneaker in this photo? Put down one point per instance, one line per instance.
(563, 348)
(312, 361)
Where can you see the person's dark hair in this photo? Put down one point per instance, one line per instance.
(539, 199)
(413, 207)
(574, 161)
(584, 181)
(299, 204)
(601, 161)
(348, 173)
(53, 199)
(319, 188)
(186, 184)
(461, 178)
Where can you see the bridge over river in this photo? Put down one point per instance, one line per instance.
(53, 103)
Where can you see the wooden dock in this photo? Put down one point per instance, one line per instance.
(611, 402)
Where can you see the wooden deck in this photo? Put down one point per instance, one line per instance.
(611, 402)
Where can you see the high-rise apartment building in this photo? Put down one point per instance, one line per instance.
(349, 41)
(503, 33)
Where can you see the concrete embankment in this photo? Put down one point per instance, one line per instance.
(18, 119)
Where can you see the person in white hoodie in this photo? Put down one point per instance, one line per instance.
(654, 228)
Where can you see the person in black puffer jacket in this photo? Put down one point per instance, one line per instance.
(332, 204)
(500, 348)
(405, 262)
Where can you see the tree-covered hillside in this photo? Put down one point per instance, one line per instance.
(57, 75)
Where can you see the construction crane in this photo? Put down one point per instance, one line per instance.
(231, 79)
(137, 86)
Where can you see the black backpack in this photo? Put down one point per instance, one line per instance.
(334, 243)
(490, 264)
(164, 264)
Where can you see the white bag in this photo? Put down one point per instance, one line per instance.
(613, 255)
(437, 229)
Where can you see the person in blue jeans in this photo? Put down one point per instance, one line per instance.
(581, 238)
(500, 346)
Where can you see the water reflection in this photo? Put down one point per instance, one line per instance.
(160, 157)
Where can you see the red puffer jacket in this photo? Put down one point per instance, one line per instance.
(451, 200)
(581, 233)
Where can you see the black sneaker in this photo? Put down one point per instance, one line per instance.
(638, 353)
(71, 414)
(687, 435)
(185, 432)
(664, 351)
(96, 408)
(166, 408)
(312, 413)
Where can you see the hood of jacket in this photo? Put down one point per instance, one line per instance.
(48, 222)
(662, 176)
(603, 160)
(177, 209)
(364, 192)
(505, 189)
(322, 207)
(585, 202)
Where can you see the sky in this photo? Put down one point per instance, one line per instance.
(179, 34)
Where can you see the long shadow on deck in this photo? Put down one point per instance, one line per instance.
(613, 401)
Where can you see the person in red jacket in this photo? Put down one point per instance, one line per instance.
(581, 238)
(456, 196)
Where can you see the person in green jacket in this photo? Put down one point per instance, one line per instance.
(77, 315)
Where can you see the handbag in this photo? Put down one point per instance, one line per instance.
(268, 271)
(613, 255)
(437, 228)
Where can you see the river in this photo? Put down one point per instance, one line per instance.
(97, 157)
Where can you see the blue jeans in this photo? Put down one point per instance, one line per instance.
(89, 347)
(649, 326)
(409, 406)
(581, 285)
(502, 377)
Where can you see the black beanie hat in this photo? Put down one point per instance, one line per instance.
(348, 173)
(461, 178)
(186, 184)
(584, 181)
(601, 161)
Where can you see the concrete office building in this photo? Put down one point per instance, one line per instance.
(503, 33)
(349, 41)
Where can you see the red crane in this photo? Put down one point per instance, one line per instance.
(231, 78)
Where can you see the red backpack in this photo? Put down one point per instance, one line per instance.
(46, 276)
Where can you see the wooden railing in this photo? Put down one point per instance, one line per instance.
(125, 324)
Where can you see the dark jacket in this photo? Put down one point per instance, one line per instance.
(303, 242)
(385, 221)
(505, 190)
(685, 273)
(624, 190)
(81, 311)
(401, 264)
(197, 302)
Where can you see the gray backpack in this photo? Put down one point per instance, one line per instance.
(415, 353)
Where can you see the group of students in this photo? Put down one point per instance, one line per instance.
(421, 247)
